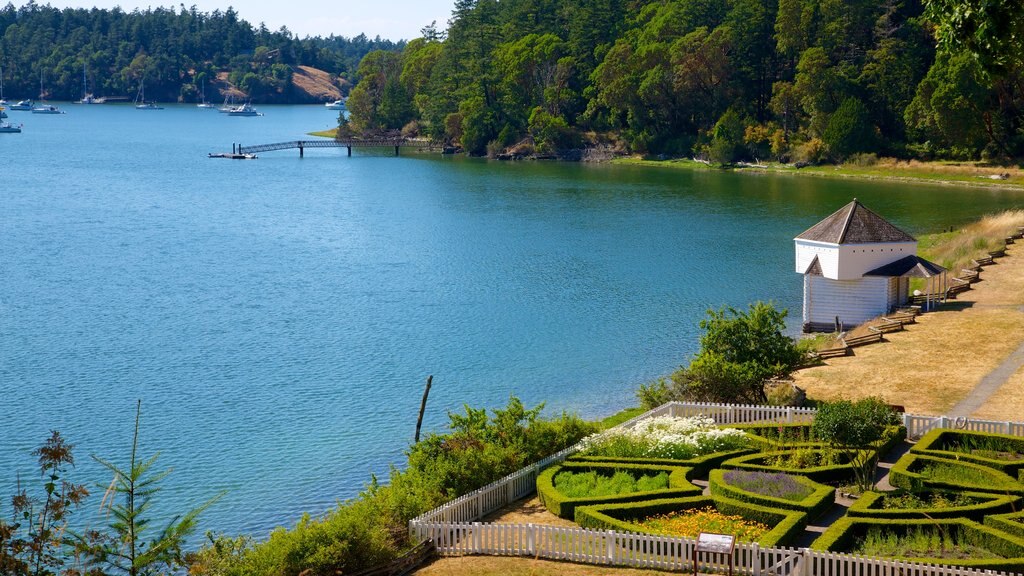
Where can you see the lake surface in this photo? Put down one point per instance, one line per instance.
(278, 317)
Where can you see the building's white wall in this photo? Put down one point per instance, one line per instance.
(893, 293)
(828, 256)
(854, 301)
(856, 259)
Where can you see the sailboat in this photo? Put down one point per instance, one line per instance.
(229, 104)
(140, 100)
(43, 107)
(204, 103)
(88, 98)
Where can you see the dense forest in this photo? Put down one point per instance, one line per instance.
(173, 52)
(726, 80)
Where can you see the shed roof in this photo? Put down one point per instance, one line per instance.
(908, 267)
(855, 224)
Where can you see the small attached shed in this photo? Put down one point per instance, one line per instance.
(857, 266)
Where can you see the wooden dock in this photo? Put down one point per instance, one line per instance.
(350, 143)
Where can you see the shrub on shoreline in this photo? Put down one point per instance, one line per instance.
(371, 529)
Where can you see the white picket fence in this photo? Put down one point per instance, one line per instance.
(456, 530)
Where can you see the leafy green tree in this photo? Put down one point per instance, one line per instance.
(478, 125)
(989, 30)
(727, 138)
(850, 428)
(849, 129)
(738, 352)
(550, 133)
(950, 105)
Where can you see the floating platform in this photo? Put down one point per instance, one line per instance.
(232, 155)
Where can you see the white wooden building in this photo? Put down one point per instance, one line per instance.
(856, 266)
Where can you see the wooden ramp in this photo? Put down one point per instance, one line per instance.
(301, 145)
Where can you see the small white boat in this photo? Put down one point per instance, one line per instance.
(88, 98)
(23, 106)
(47, 109)
(244, 110)
(140, 100)
(336, 105)
(204, 103)
(8, 128)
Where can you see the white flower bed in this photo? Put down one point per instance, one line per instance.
(666, 437)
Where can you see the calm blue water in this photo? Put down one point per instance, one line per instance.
(278, 317)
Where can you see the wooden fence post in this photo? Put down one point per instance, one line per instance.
(611, 548)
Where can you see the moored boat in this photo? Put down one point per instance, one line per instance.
(244, 110)
(336, 105)
(22, 106)
(47, 109)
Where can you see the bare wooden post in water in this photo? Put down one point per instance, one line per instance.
(423, 406)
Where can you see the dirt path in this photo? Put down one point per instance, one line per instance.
(968, 356)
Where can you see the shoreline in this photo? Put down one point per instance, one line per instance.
(842, 172)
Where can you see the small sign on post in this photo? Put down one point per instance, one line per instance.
(714, 544)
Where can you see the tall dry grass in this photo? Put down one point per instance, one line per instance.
(955, 250)
(976, 169)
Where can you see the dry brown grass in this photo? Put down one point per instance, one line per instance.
(498, 566)
(933, 364)
(317, 83)
(527, 512)
(1009, 398)
(979, 169)
(954, 250)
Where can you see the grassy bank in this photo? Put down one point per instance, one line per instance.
(324, 133)
(957, 173)
(955, 249)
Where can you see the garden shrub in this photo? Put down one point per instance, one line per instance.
(972, 505)
(817, 498)
(845, 533)
(665, 437)
(911, 472)
(851, 427)
(786, 524)
(839, 472)
(779, 436)
(1011, 523)
(564, 506)
(698, 465)
(1000, 451)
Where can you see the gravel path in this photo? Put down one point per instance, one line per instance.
(990, 384)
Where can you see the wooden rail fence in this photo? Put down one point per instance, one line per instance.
(455, 528)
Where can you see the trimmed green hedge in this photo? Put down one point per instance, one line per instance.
(906, 474)
(787, 524)
(844, 534)
(814, 504)
(825, 474)
(564, 506)
(868, 506)
(765, 436)
(1012, 523)
(937, 442)
(700, 464)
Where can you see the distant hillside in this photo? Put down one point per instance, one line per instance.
(173, 52)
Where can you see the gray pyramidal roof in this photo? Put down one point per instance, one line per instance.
(855, 224)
